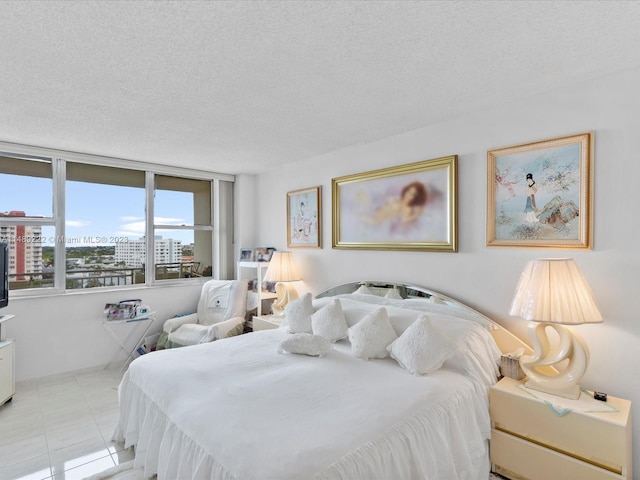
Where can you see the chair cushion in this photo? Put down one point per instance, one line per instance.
(190, 334)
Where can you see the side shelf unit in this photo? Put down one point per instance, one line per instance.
(258, 269)
(7, 365)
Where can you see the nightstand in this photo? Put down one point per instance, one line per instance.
(530, 442)
(266, 322)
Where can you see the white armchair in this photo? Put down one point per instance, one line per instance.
(220, 314)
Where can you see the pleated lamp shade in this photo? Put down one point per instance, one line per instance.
(553, 290)
(281, 268)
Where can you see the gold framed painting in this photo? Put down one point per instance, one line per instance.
(406, 207)
(540, 194)
(304, 218)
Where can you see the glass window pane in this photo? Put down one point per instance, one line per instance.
(26, 187)
(31, 261)
(182, 254)
(105, 226)
(182, 201)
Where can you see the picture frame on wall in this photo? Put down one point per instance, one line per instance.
(304, 218)
(540, 194)
(406, 207)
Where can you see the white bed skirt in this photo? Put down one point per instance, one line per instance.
(440, 442)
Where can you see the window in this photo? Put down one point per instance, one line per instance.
(27, 222)
(104, 226)
(182, 228)
(84, 221)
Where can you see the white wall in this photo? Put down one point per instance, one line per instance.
(485, 277)
(61, 333)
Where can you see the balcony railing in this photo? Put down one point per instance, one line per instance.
(105, 277)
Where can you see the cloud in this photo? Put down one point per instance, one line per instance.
(169, 221)
(77, 223)
(133, 228)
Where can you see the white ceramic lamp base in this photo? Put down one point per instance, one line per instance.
(286, 293)
(570, 348)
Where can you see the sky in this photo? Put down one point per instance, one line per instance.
(95, 212)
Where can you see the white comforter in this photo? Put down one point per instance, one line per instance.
(236, 409)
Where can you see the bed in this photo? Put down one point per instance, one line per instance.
(243, 408)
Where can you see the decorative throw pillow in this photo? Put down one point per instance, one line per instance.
(298, 314)
(393, 293)
(422, 348)
(329, 322)
(364, 290)
(305, 344)
(371, 336)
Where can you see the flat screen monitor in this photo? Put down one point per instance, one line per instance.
(4, 275)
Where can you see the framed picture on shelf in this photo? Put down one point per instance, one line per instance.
(541, 194)
(407, 207)
(262, 254)
(246, 255)
(304, 218)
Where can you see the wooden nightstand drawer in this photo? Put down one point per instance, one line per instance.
(593, 441)
(521, 460)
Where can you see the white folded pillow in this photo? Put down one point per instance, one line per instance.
(371, 336)
(305, 344)
(422, 348)
(298, 313)
(329, 322)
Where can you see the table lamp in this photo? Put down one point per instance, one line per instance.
(283, 271)
(552, 293)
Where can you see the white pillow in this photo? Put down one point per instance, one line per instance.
(364, 290)
(298, 314)
(329, 322)
(371, 336)
(422, 348)
(305, 344)
(393, 293)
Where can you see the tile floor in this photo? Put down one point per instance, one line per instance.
(60, 427)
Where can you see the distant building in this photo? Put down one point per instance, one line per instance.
(25, 247)
(132, 253)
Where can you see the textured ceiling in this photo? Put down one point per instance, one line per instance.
(244, 86)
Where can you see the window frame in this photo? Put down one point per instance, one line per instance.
(59, 160)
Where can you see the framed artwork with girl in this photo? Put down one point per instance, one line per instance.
(304, 218)
(541, 194)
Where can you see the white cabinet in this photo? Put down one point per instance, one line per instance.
(7, 377)
(530, 442)
(256, 271)
(7, 367)
(266, 322)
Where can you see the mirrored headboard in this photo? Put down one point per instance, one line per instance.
(381, 288)
(507, 341)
